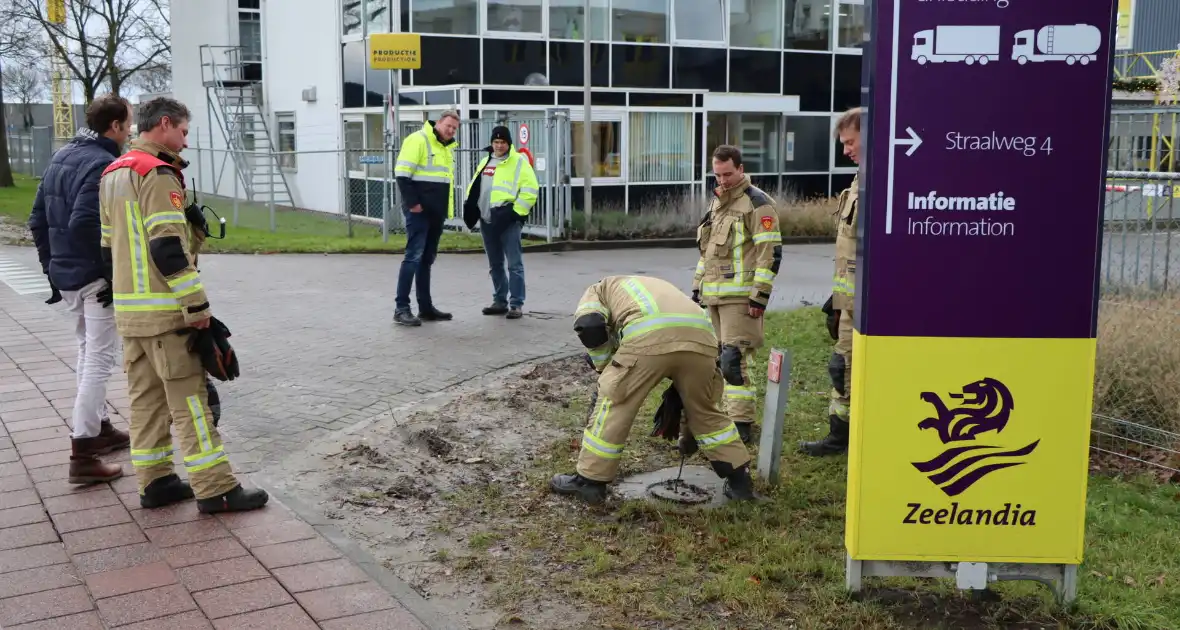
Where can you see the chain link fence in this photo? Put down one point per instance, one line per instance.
(30, 150)
(1137, 383)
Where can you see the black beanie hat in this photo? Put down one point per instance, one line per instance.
(501, 133)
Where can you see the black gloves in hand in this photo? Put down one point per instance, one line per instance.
(833, 318)
(55, 296)
(696, 297)
(106, 296)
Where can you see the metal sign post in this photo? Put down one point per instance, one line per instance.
(393, 52)
(774, 409)
(970, 425)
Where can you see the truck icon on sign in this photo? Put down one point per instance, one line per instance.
(1071, 43)
(957, 43)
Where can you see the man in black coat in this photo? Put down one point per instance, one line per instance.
(67, 230)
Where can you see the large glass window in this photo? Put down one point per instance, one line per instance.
(808, 142)
(755, 71)
(354, 24)
(660, 147)
(514, 16)
(286, 128)
(448, 60)
(699, 21)
(566, 20)
(756, 135)
(250, 39)
(606, 159)
(639, 20)
(513, 61)
(354, 142)
(377, 15)
(809, 76)
(640, 66)
(446, 17)
(695, 68)
(755, 23)
(851, 25)
(355, 66)
(808, 24)
(846, 90)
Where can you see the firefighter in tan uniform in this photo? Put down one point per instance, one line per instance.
(841, 305)
(640, 330)
(159, 299)
(740, 253)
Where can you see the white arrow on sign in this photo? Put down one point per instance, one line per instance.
(914, 141)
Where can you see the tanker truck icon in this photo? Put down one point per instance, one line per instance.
(1071, 43)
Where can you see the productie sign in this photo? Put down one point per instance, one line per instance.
(395, 51)
(976, 299)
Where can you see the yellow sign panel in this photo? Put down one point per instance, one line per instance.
(1125, 26)
(395, 51)
(969, 449)
(55, 11)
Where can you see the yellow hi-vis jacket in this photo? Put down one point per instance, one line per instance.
(425, 171)
(515, 181)
(646, 316)
(148, 240)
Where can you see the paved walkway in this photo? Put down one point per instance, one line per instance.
(82, 558)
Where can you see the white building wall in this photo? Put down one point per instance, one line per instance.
(301, 50)
(195, 23)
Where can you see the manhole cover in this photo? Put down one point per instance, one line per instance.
(679, 491)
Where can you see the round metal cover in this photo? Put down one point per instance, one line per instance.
(679, 491)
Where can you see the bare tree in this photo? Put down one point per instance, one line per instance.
(15, 39)
(105, 42)
(154, 79)
(25, 82)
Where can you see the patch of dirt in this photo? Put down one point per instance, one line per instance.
(13, 232)
(387, 487)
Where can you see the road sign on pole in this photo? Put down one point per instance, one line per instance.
(973, 355)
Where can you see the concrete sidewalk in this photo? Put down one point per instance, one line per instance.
(87, 557)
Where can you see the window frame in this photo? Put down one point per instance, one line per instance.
(484, 31)
(835, 34)
(675, 40)
(280, 118)
(690, 112)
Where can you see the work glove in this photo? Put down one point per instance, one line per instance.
(696, 296)
(105, 296)
(833, 318)
(54, 296)
(212, 345)
(666, 421)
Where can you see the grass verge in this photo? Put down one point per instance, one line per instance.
(780, 564)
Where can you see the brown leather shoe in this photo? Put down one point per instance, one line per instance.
(110, 439)
(86, 467)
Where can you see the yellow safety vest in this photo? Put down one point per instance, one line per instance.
(424, 159)
(515, 180)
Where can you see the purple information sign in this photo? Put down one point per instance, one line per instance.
(983, 189)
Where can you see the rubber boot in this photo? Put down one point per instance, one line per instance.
(86, 467)
(110, 439)
(238, 499)
(575, 485)
(739, 486)
(165, 491)
(834, 443)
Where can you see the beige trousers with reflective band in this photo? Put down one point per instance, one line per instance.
(623, 387)
(843, 347)
(735, 327)
(166, 384)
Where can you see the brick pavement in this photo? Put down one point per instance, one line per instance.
(87, 557)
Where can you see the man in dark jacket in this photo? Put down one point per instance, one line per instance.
(67, 230)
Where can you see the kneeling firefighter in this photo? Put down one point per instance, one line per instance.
(640, 330)
(159, 301)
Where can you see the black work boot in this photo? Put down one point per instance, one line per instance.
(745, 430)
(576, 485)
(495, 309)
(431, 314)
(406, 318)
(739, 486)
(515, 313)
(237, 500)
(165, 491)
(834, 443)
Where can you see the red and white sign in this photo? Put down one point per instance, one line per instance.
(522, 136)
(774, 367)
(529, 154)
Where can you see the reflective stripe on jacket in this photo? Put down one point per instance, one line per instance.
(157, 288)
(646, 316)
(425, 171)
(844, 280)
(740, 247)
(515, 181)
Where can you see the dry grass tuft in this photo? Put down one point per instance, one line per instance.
(1138, 366)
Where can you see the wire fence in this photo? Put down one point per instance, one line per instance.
(1137, 383)
(30, 150)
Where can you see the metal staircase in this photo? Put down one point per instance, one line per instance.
(236, 102)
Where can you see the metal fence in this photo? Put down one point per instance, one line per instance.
(29, 151)
(1137, 385)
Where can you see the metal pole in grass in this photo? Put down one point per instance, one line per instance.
(774, 409)
(385, 191)
(586, 118)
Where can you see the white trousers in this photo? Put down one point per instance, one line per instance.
(98, 338)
